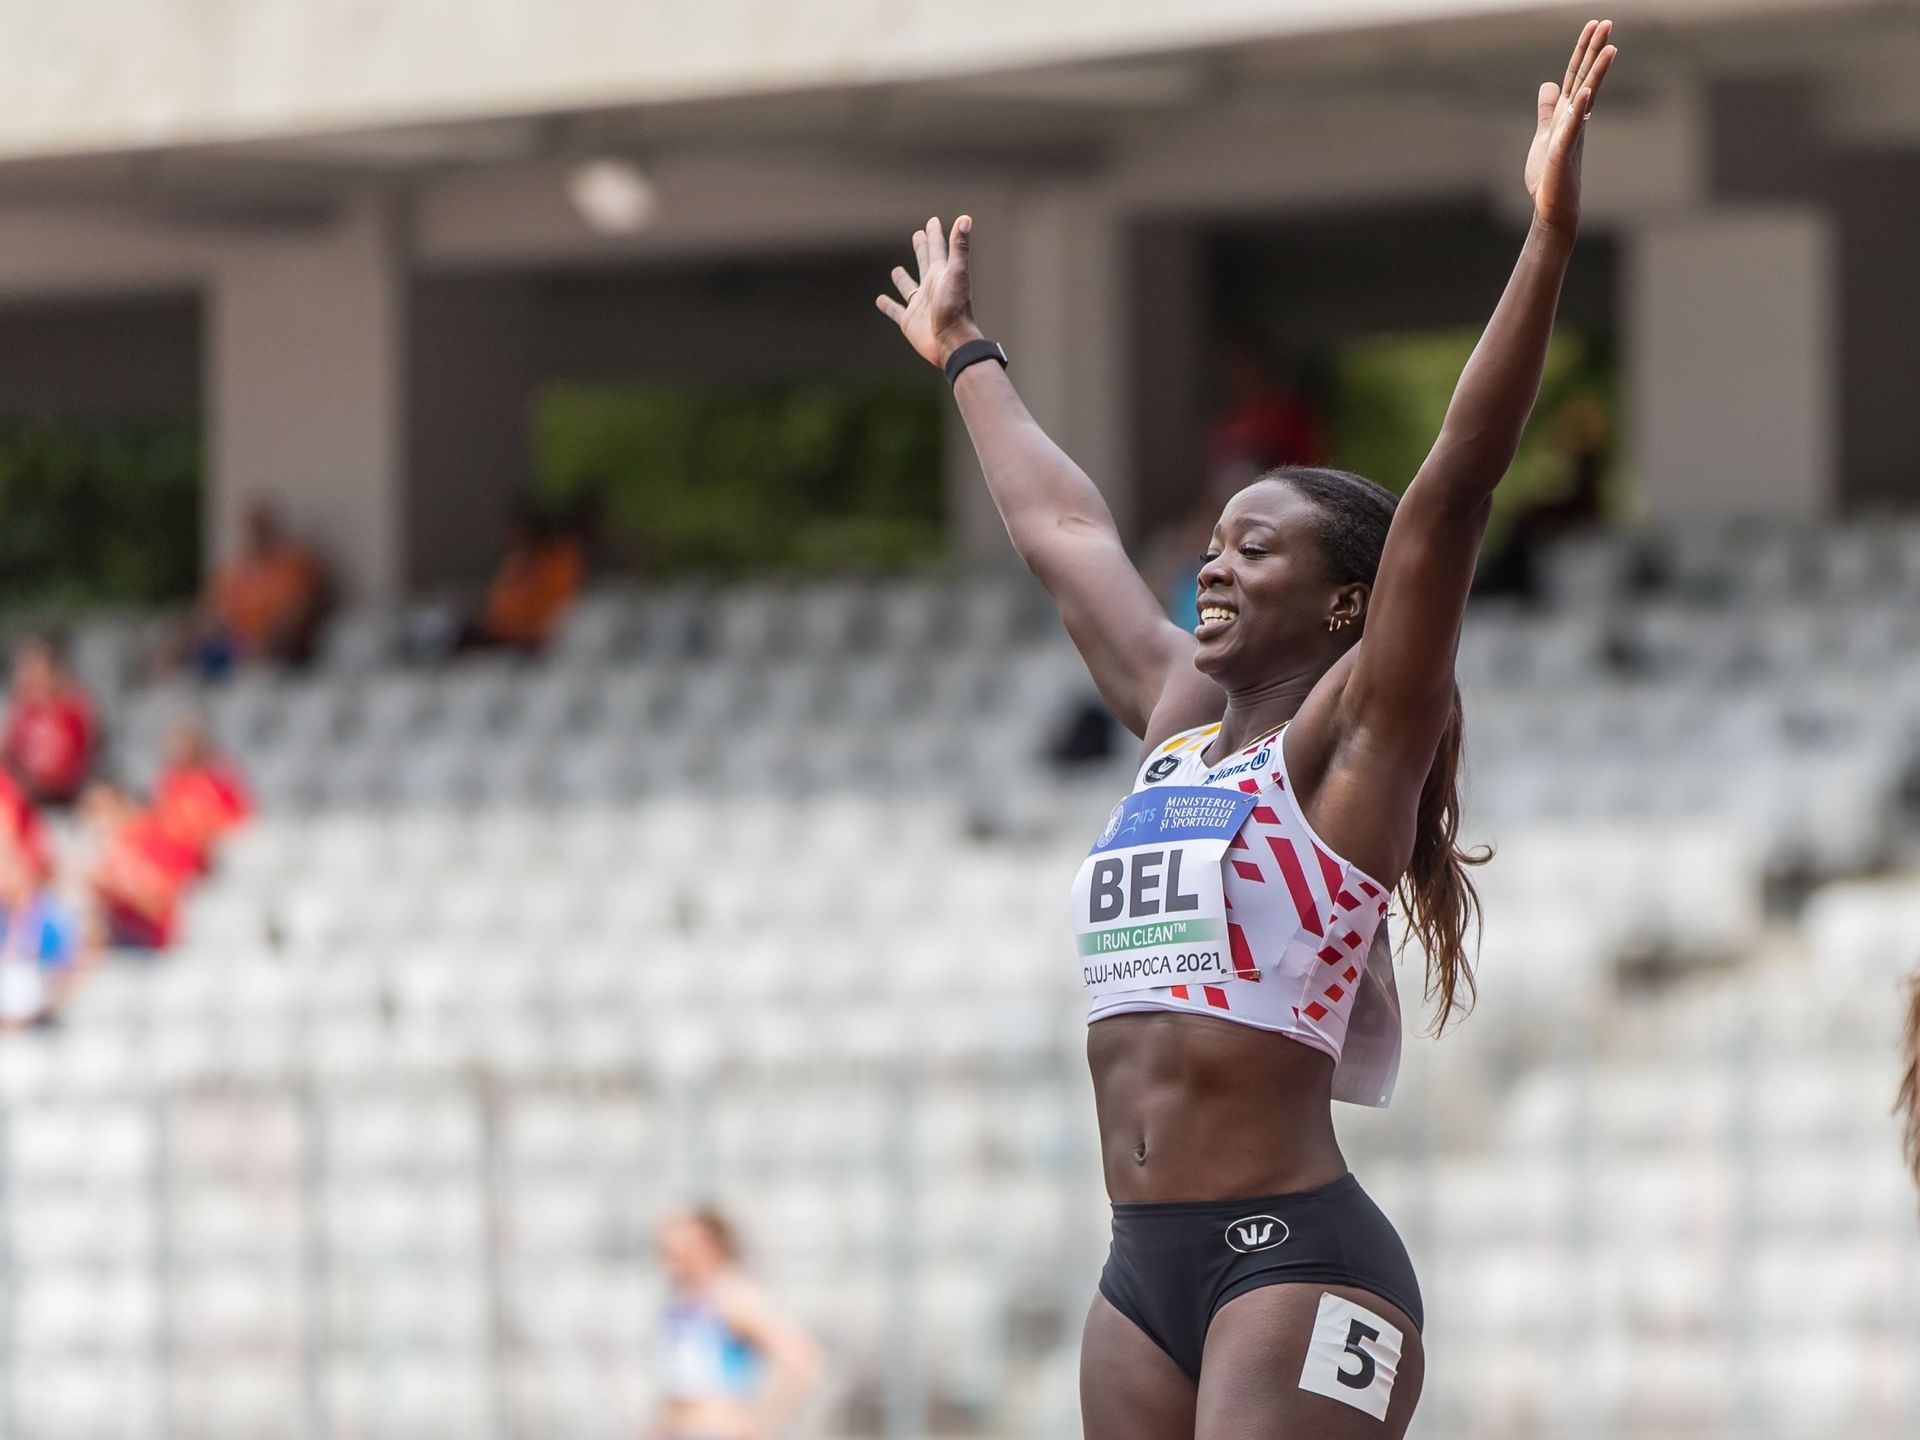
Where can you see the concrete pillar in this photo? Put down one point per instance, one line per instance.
(1051, 285)
(1732, 385)
(306, 370)
(473, 368)
(1173, 342)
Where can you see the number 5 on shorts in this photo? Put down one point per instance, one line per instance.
(1353, 1356)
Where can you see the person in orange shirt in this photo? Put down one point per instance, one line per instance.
(264, 604)
(201, 795)
(537, 579)
(51, 734)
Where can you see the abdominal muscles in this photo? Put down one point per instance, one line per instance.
(1194, 1108)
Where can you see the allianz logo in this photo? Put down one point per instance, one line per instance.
(1258, 762)
(1257, 1232)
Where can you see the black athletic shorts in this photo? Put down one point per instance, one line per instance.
(1173, 1265)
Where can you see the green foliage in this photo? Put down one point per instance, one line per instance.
(1392, 393)
(696, 478)
(98, 513)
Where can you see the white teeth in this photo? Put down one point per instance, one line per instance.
(1213, 615)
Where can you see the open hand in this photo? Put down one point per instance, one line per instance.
(1553, 164)
(935, 309)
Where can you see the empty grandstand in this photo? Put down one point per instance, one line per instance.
(755, 887)
(378, 1150)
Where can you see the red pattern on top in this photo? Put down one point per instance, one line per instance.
(1296, 879)
(1282, 909)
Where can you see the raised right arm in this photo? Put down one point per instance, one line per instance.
(1056, 517)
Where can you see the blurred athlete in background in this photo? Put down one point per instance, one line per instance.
(732, 1366)
(1909, 1105)
(1301, 763)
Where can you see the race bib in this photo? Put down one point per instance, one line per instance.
(1149, 908)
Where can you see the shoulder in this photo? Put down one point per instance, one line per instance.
(739, 1303)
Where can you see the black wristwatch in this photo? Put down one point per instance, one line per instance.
(972, 353)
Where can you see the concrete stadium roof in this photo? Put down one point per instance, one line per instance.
(119, 76)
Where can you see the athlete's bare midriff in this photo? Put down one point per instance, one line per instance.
(709, 1420)
(1193, 1108)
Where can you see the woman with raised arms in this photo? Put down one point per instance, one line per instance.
(1301, 754)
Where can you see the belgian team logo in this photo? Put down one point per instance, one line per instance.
(1257, 1232)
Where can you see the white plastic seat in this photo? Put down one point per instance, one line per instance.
(220, 1306)
(594, 629)
(751, 621)
(380, 1221)
(474, 697)
(356, 642)
(394, 705)
(266, 1399)
(550, 703)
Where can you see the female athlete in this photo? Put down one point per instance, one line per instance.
(733, 1367)
(1300, 763)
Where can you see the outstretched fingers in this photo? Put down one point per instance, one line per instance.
(1568, 82)
(904, 283)
(1596, 76)
(891, 308)
(1593, 56)
(936, 241)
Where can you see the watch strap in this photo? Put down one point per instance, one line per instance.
(972, 353)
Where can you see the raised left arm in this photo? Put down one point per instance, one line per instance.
(1399, 693)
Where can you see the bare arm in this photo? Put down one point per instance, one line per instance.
(791, 1354)
(1399, 693)
(1055, 516)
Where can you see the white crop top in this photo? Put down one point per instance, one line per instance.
(1306, 953)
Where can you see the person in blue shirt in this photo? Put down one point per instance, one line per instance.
(43, 951)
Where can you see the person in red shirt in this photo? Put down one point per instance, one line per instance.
(201, 795)
(22, 831)
(142, 874)
(1263, 421)
(51, 734)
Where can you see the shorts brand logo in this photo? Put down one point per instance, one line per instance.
(1257, 1232)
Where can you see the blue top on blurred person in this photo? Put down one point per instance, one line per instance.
(40, 943)
(732, 1365)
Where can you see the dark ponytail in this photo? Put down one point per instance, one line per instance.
(1437, 892)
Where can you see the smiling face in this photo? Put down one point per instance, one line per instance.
(1267, 592)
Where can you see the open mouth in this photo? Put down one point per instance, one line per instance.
(1214, 618)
